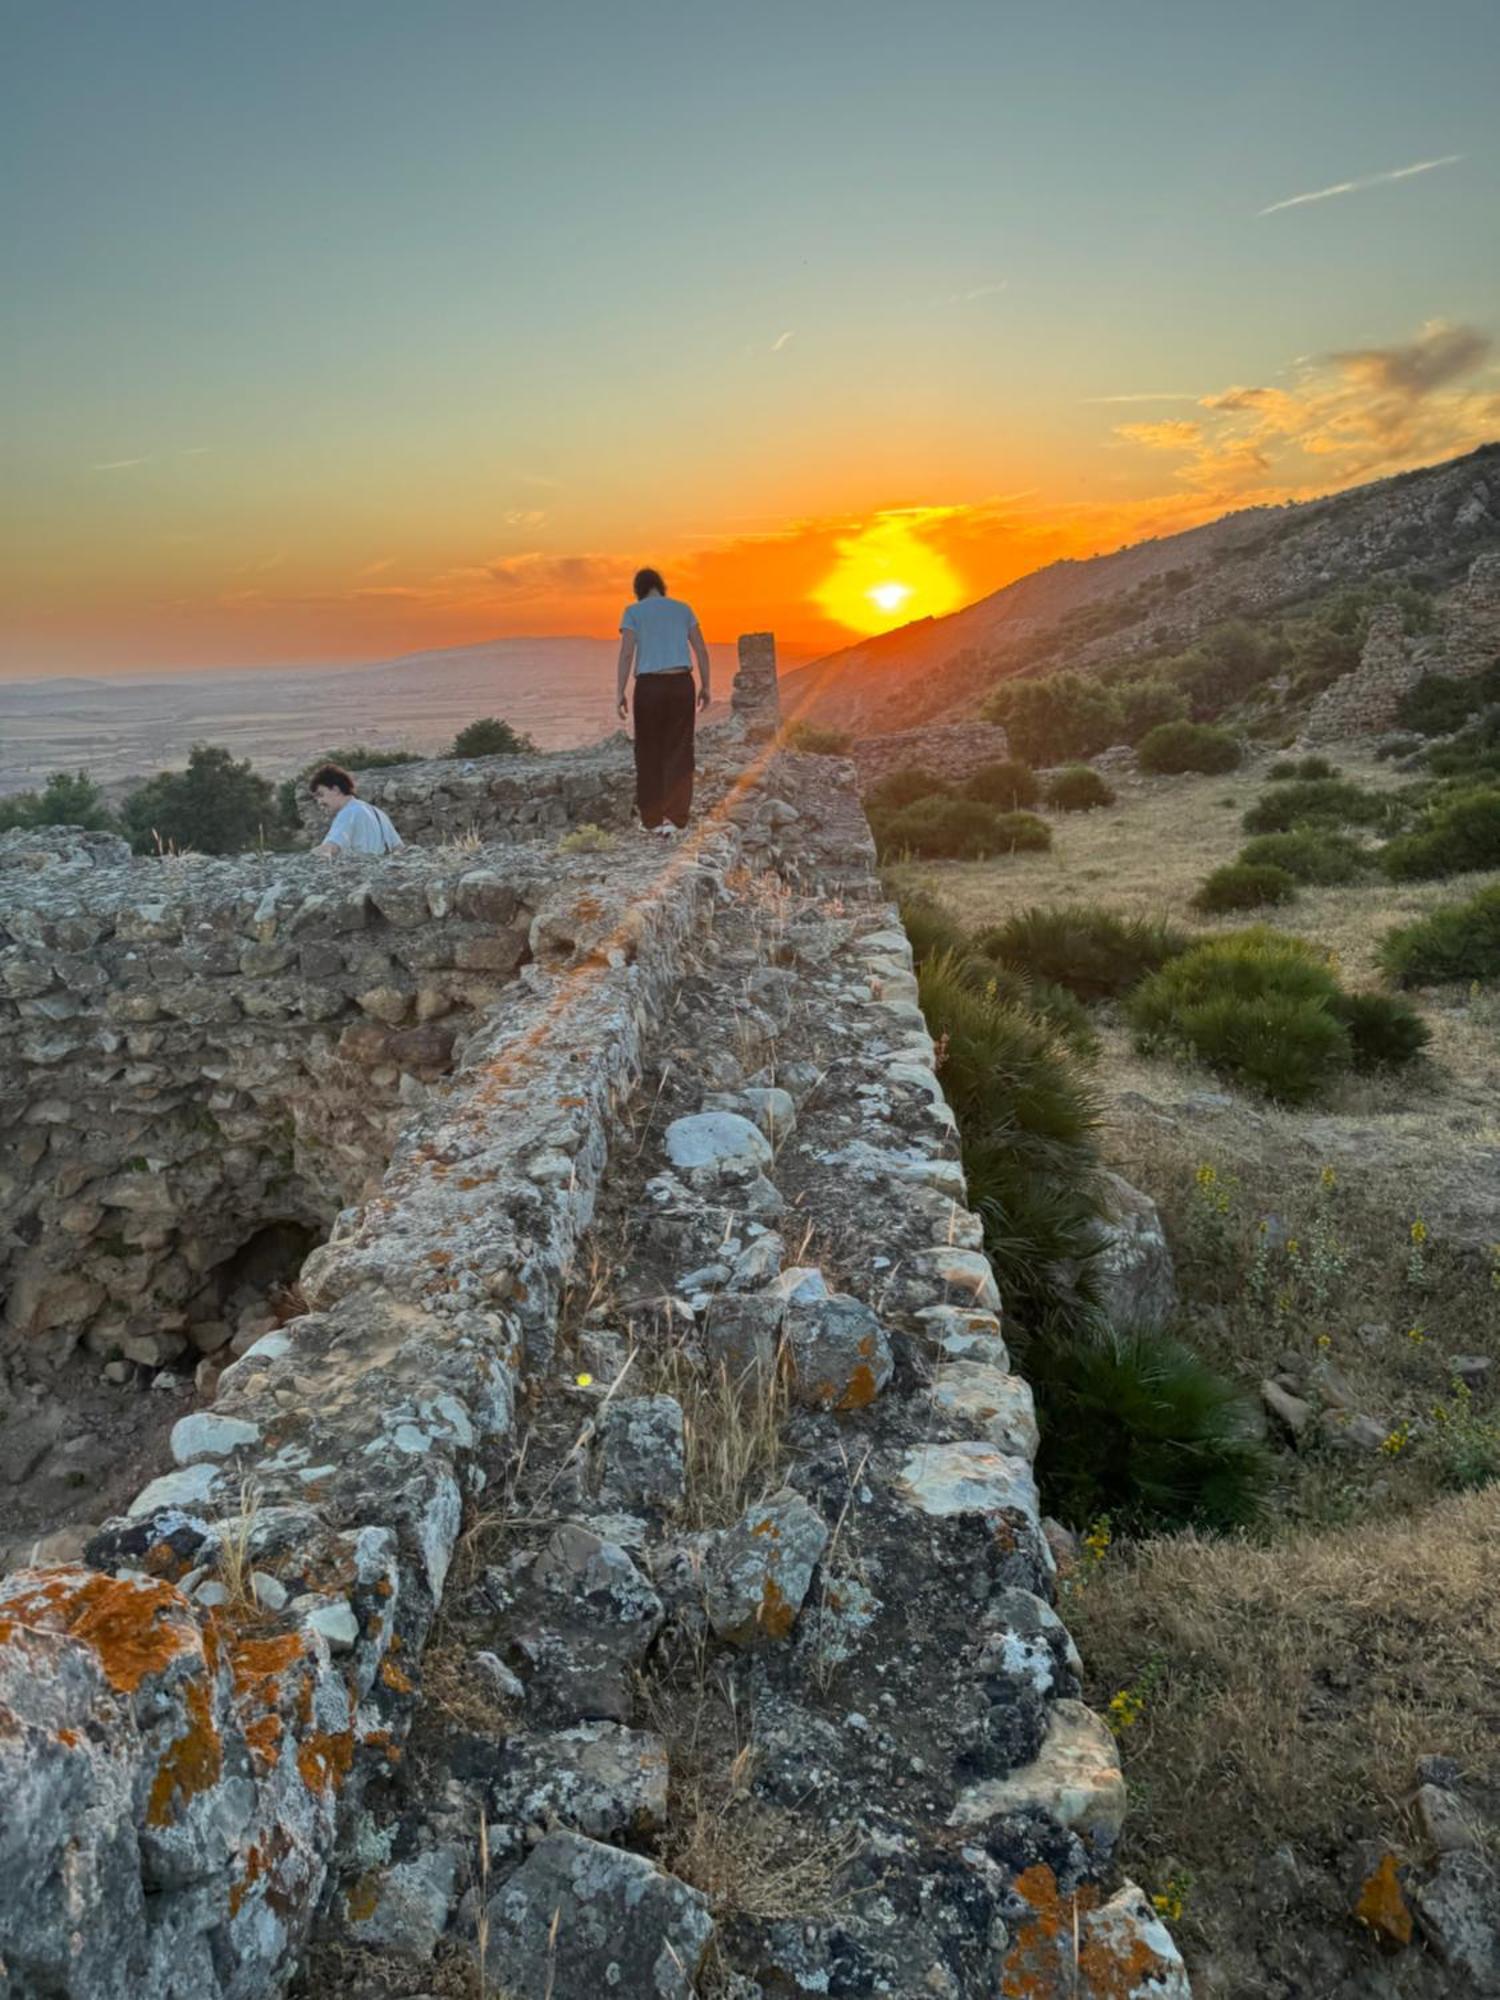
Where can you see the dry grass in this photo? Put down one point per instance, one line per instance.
(732, 1429)
(1295, 1687)
(235, 1565)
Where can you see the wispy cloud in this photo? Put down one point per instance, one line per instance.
(1364, 181)
(1353, 414)
(1151, 396)
(375, 568)
(990, 291)
(524, 517)
(197, 451)
(117, 464)
(781, 340)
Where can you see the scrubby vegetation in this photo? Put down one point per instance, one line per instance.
(816, 740)
(215, 806)
(1461, 941)
(1059, 719)
(1300, 767)
(1078, 788)
(67, 799)
(1310, 855)
(1264, 1009)
(1009, 784)
(903, 788)
(1174, 747)
(1320, 802)
(1245, 885)
(363, 757)
(1458, 831)
(1089, 951)
(490, 737)
(956, 829)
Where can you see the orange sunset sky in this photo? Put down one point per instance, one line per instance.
(336, 332)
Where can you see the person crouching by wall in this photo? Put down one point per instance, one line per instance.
(357, 828)
(657, 635)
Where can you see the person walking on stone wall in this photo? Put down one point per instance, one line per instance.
(659, 639)
(357, 827)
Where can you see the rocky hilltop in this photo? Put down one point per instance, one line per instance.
(1426, 525)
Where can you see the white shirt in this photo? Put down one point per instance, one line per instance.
(362, 829)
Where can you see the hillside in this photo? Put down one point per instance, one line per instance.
(1424, 525)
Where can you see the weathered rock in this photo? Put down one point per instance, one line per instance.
(597, 1778)
(403, 1908)
(641, 1452)
(967, 1478)
(1132, 1266)
(1459, 1911)
(841, 1358)
(759, 1573)
(579, 1919)
(1291, 1412)
(1075, 1779)
(1445, 1825)
(999, 1404)
(583, 1627)
(743, 1332)
(712, 1140)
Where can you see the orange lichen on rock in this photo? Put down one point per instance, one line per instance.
(362, 1900)
(1063, 1948)
(862, 1389)
(192, 1764)
(255, 1661)
(324, 1759)
(264, 1738)
(132, 1628)
(1382, 1906)
(776, 1615)
(393, 1677)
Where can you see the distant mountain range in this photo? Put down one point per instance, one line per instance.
(1426, 525)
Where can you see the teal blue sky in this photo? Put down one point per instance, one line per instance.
(330, 328)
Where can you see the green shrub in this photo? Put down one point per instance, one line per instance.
(1319, 802)
(1022, 833)
(1245, 885)
(1056, 719)
(69, 798)
(903, 788)
(1460, 831)
(1090, 951)
(1027, 1121)
(1078, 788)
(1383, 1031)
(1323, 857)
(215, 806)
(1396, 746)
(1438, 704)
(1173, 747)
(1461, 941)
(1473, 754)
(1286, 768)
(816, 741)
(1145, 704)
(1256, 1005)
(942, 829)
(362, 757)
(1009, 784)
(1135, 1426)
(490, 737)
(932, 929)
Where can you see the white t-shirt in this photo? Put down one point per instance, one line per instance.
(362, 829)
(661, 626)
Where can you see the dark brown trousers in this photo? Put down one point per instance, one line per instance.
(664, 707)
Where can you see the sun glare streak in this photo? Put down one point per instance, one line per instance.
(885, 576)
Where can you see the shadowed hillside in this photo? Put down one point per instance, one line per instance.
(1424, 526)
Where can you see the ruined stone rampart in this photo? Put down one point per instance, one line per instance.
(213, 1732)
(951, 750)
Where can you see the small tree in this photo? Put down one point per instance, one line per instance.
(215, 806)
(1057, 719)
(490, 737)
(70, 798)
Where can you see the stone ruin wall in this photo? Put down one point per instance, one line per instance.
(189, 1774)
(1364, 702)
(951, 750)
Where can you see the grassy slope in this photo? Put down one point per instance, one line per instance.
(1291, 1700)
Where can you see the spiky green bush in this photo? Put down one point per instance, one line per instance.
(1084, 948)
(933, 929)
(1383, 1031)
(1023, 833)
(1300, 767)
(1458, 832)
(940, 829)
(1009, 784)
(1174, 747)
(1322, 857)
(1078, 788)
(1459, 942)
(903, 788)
(1136, 1426)
(1244, 885)
(1256, 1006)
(1438, 704)
(1320, 802)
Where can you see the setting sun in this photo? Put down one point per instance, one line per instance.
(862, 592)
